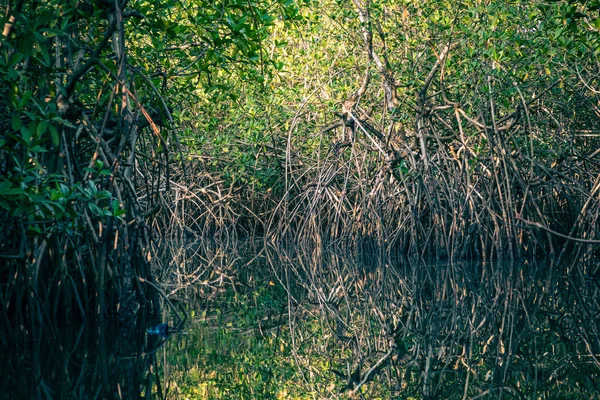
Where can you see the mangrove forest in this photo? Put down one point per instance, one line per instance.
(300, 199)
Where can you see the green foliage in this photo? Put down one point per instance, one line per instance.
(35, 189)
(518, 55)
(185, 52)
(201, 44)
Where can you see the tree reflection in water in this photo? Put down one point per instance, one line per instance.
(307, 323)
(107, 359)
(524, 329)
(316, 324)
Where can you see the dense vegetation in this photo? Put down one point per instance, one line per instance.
(380, 132)
(451, 129)
(89, 136)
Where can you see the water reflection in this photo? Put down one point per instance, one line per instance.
(304, 324)
(110, 359)
(403, 328)
(372, 326)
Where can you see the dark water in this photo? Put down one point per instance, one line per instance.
(92, 360)
(312, 324)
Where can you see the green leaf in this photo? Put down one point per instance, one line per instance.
(41, 128)
(25, 134)
(4, 185)
(47, 59)
(54, 134)
(4, 204)
(104, 194)
(44, 19)
(64, 189)
(13, 192)
(15, 122)
(93, 190)
(268, 18)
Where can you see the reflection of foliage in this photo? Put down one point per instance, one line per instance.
(238, 349)
(384, 328)
(396, 328)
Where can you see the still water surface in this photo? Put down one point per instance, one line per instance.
(319, 325)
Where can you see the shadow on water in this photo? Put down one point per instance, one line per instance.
(107, 359)
(303, 324)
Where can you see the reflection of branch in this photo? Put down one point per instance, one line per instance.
(589, 348)
(485, 393)
(374, 369)
(164, 296)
